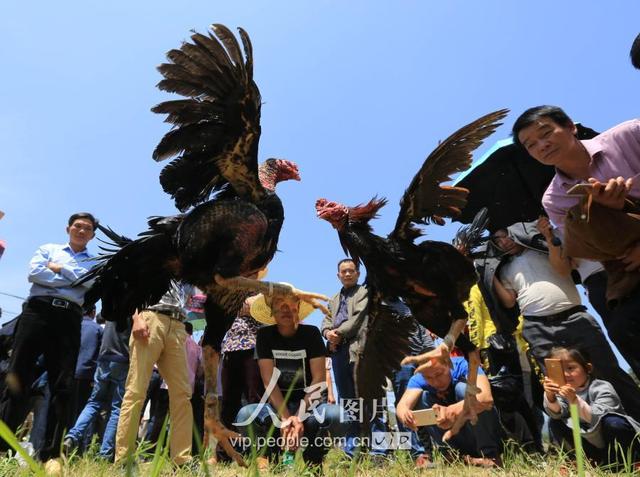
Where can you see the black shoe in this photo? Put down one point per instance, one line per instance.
(379, 460)
(68, 446)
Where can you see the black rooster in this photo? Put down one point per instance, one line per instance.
(219, 245)
(432, 278)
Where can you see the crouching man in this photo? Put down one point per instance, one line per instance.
(291, 358)
(442, 386)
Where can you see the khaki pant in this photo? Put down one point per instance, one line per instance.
(166, 348)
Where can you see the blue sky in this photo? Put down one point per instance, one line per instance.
(357, 93)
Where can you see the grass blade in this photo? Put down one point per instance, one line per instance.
(161, 451)
(201, 452)
(12, 440)
(577, 439)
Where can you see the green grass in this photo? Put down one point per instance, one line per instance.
(143, 463)
(157, 464)
(516, 463)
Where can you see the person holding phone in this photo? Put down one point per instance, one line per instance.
(552, 309)
(442, 387)
(605, 427)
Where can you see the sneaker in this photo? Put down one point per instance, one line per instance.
(68, 446)
(378, 460)
(53, 467)
(423, 461)
(262, 463)
(484, 462)
(28, 447)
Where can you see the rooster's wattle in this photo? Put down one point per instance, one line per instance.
(220, 242)
(432, 278)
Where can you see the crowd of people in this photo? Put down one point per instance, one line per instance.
(82, 379)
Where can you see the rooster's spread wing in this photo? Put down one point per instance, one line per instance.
(125, 264)
(216, 130)
(425, 200)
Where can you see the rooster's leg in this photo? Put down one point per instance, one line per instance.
(442, 351)
(214, 431)
(443, 354)
(273, 289)
(471, 407)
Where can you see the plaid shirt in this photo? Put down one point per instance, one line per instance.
(174, 301)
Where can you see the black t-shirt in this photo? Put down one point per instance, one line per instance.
(291, 355)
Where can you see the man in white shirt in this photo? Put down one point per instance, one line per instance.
(553, 313)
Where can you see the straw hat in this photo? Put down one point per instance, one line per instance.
(262, 273)
(261, 309)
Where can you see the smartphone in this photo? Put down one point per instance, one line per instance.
(555, 371)
(425, 417)
(580, 189)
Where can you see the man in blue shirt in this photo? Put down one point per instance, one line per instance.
(50, 325)
(442, 387)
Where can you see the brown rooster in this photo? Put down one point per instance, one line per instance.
(432, 278)
(221, 244)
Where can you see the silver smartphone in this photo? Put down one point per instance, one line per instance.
(425, 417)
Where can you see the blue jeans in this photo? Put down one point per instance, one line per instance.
(481, 440)
(108, 390)
(344, 378)
(343, 372)
(316, 450)
(400, 380)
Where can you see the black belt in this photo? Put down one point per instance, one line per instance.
(56, 302)
(558, 316)
(174, 315)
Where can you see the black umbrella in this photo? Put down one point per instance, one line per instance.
(509, 182)
(635, 52)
